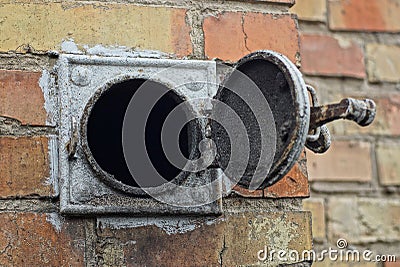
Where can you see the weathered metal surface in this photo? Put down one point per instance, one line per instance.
(82, 186)
(361, 111)
(284, 89)
(323, 141)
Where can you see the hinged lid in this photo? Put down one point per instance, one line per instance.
(268, 95)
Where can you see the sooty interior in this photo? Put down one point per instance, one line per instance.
(272, 82)
(104, 130)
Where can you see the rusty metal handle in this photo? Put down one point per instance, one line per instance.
(361, 111)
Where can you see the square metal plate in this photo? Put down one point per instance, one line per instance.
(78, 79)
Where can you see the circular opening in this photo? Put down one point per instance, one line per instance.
(104, 131)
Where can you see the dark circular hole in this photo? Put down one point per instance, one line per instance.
(104, 130)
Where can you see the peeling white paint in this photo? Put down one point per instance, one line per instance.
(170, 225)
(53, 159)
(70, 47)
(56, 220)
(46, 83)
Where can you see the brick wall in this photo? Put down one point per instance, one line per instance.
(34, 233)
(352, 48)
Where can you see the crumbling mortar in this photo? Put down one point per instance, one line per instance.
(27, 61)
(13, 127)
(194, 18)
(90, 243)
(352, 190)
(297, 264)
(217, 5)
(115, 257)
(239, 204)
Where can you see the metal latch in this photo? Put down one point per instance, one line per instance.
(360, 111)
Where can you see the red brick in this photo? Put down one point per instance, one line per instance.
(361, 15)
(24, 167)
(325, 55)
(29, 239)
(180, 32)
(392, 264)
(294, 184)
(388, 113)
(345, 161)
(231, 35)
(21, 97)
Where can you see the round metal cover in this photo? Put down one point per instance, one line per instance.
(284, 90)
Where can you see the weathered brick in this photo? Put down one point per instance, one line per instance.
(360, 15)
(29, 239)
(43, 26)
(21, 97)
(231, 240)
(311, 10)
(24, 167)
(328, 56)
(231, 35)
(345, 161)
(383, 62)
(388, 156)
(294, 184)
(363, 220)
(246, 192)
(317, 208)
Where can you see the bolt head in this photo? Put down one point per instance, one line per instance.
(81, 76)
